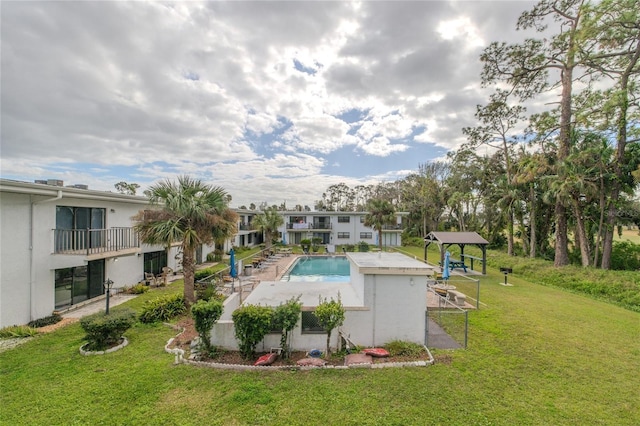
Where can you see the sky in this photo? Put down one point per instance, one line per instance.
(272, 101)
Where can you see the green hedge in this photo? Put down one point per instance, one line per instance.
(105, 330)
(43, 322)
(205, 315)
(163, 308)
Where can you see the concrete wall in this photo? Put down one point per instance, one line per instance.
(394, 309)
(14, 259)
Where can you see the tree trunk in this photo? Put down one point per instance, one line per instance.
(561, 253)
(510, 232)
(188, 268)
(532, 223)
(328, 353)
(582, 237)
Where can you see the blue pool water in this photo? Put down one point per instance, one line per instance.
(319, 269)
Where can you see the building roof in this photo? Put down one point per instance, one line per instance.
(382, 263)
(456, 238)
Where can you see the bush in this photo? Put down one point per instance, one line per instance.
(252, 323)
(205, 315)
(285, 318)
(363, 246)
(139, 288)
(625, 256)
(349, 247)
(203, 273)
(402, 348)
(43, 322)
(330, 314)
(163, 308)
(106, 330)
(17, 331)
(208, 292)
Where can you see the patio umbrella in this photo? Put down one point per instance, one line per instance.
(284, 238)
(445, 265)
(232, 271)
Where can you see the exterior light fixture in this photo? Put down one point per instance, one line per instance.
(107, 286)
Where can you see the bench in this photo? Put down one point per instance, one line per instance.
(457, 297)
(455, 263)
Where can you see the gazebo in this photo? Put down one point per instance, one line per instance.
(446, 239)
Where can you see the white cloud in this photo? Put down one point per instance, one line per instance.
(99, 92)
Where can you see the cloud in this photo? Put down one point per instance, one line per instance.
(246, 95)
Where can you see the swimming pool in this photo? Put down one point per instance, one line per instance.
(319, 269)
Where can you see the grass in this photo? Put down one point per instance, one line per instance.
(537, 355)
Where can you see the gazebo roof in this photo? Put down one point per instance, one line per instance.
(456, 238)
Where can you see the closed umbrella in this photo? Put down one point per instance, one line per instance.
(284, 238)
(445, 265)
(233, 271)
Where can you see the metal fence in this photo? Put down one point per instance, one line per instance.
(447, 325)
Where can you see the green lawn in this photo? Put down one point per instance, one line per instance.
(537, 355)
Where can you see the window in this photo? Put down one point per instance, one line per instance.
(310, 324)
(366, 235)
(75, 285)
(154, 261)
(344, 219)
(343, 235)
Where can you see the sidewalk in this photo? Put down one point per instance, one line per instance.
(98, 305)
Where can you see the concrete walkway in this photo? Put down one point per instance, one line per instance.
(98, 305)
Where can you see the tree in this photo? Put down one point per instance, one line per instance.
(497, 123)
(285, 317)
(380, 213)
(330, 314)
(268, 223)
(526, 68)
(126, 188)
(190, 213)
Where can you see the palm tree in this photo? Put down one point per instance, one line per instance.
(381, 213)
(191, 213)
(268, 223)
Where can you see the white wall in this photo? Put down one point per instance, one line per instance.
(14, 259)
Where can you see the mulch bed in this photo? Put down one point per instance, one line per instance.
(183, 342)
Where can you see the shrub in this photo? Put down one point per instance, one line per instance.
(402, 348)
(208, 292)
(349, 247)
(17, 331)
(43, 322)
(163, 308)
(363, 246)
(625, 256)
(252, 323)
(330, 315)
(203, 273)
(105, 330)
(205, 315)
(139, 288)
(285, 318)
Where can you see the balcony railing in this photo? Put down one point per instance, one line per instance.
(94, 241)
(392, 227)
(246, 227)
(315, 225)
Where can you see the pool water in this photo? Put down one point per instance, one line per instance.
(319, 269)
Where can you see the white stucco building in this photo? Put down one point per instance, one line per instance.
(59, 244)
(385, 300)
(337, 228)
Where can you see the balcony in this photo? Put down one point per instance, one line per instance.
(91, 242)
(395, 227)
(246, 227)
(308, 226)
